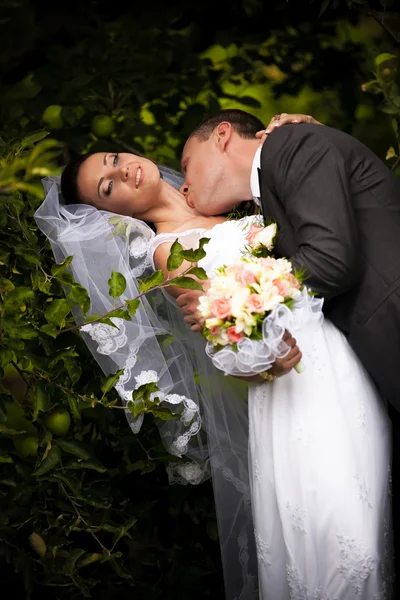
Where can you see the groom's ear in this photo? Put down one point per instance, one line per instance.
(223, 133)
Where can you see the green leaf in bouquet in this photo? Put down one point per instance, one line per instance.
(110, 381)
(198, 272)
(57, 311)
(186, 282)
(56, 269)
(151, 282)
(175, 259)
(117, 283)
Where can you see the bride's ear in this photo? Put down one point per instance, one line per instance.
(223, 133)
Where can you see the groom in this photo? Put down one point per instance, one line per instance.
(338, 211)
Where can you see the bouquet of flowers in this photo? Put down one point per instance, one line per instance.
(250, 304)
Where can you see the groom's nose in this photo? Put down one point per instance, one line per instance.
(184, 189)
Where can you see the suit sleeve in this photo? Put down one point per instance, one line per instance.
(308, 174)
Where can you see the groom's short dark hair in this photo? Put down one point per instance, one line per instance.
(245, 124)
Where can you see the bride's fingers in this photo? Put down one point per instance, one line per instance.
(284, 119)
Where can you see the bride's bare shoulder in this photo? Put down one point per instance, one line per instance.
(200, 223)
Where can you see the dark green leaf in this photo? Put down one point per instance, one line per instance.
(59, 268)
(384, 57)
(110, 381)
(117, 283)
(57, 311)
(79, 295)
(162, 412)
(132, 306)
(51, 460)
(50, 330)
(175, 259)
(41, 400)
(69, 565)
(198, 272)
(151, 282)
(7, 431)
(121, 313)
(74, 447)
(6, 356)
(187, 283)
(196, 255)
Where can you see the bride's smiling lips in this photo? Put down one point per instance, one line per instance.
(139, 176)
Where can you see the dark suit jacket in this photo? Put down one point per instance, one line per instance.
(338, 209)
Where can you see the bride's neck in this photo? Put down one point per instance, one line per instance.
(171, 212)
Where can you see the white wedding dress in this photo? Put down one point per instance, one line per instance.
(320, 448)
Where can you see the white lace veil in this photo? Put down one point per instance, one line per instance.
(210, 431)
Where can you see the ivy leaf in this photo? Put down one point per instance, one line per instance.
(110, 381)
(117, 283)
(151, 282)
(78, 294)
(132, 306)
(187, 283)
(198, 272)
(57, 311)
(175, 259)
(51, 460)
(56, 269)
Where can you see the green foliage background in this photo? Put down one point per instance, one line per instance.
(91, 511)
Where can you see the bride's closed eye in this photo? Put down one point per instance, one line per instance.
(110, 185)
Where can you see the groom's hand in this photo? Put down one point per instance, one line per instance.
(188, 303)
(282, 366)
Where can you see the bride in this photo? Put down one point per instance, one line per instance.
(319, 442)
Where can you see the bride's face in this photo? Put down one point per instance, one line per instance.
(121, 183)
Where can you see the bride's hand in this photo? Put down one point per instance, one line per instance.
(282, 366)
(283, 119)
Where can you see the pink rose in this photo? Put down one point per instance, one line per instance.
(282, 286)
(268, 263)
(247, 277)
(221, 308)
(214, 330)
(233, 335)
(235, 270)
(255, 303)
(253, 232)
(293, 281)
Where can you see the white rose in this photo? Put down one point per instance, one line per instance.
(266, 237)
(204, 307)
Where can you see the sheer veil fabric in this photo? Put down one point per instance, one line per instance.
(209, 435)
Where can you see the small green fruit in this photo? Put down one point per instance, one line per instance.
(58, 423)
(52, 116)
(27, 446)
(102, 126)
